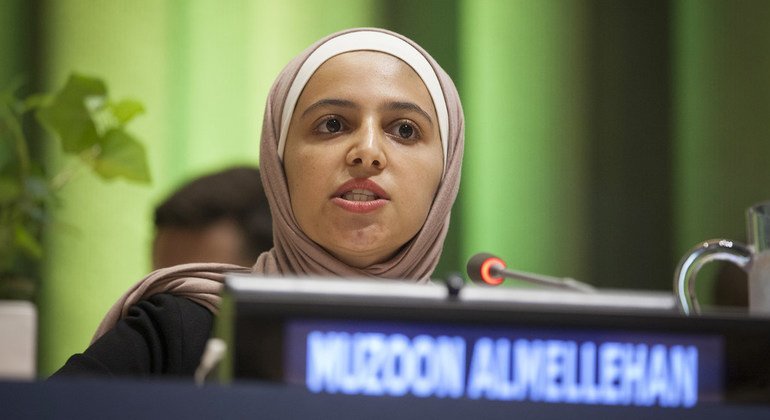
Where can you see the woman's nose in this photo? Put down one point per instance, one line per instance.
(367, 148)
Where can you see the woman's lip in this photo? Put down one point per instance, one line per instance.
(361, 184)
(381, 197)
(359, 206)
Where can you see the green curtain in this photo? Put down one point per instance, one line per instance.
(524, 86)
(15, 41)
(605, 138)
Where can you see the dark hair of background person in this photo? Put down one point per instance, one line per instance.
(233, 196)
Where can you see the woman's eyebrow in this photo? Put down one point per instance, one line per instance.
(330, 102)
(409, 106)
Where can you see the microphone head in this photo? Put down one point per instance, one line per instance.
(480, 266)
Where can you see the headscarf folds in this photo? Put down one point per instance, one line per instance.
(294, 253)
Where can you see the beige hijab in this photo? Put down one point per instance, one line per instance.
(293, 252)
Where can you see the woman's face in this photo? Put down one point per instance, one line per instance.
(363, 156)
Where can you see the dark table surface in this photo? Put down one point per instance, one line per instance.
(84, 399)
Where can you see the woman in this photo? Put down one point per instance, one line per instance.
(361, 148)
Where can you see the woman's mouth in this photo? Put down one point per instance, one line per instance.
(360, 195)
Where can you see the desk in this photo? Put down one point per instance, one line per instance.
(610, 348)
(116, 399)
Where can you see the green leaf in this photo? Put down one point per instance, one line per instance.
(126, 110)
(36, 101)
(28, 243)
(9, 189)
(8, 137)
(122, 156)
(9, 90)
(7, 152)
(68, 114)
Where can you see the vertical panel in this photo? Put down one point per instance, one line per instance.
(630, 145)
(722, 100)
(524, 77)
(14, 40)
(98, 246)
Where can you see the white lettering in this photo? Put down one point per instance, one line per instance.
(450, 364)
(559, 371)
(684, 370)
(610, 372)
(588, 389)
(555, 363)
(379, 364)
(633, 389)
(481, 379)
(326, 355)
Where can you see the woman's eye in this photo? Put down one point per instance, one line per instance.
(330, 125)
(333, 125)
(405, 131)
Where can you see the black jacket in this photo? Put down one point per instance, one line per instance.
(163, 335)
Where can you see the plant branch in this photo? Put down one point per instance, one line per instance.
(22, 151)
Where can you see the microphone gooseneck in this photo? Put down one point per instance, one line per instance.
(485, 268)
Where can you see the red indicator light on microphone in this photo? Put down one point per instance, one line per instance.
(486, 267)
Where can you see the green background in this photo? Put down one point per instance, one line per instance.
(604, 138)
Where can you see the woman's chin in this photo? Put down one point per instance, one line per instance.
(362, 258)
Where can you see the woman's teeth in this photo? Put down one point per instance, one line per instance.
(359, 195)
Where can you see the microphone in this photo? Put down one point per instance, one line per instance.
(485, 268)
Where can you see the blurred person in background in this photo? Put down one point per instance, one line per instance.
(221, 217)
